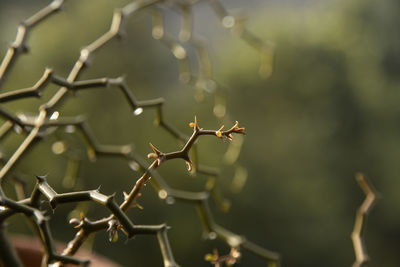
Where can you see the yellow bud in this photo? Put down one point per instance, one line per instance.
(191, 124)
(209, 257)
(218, 133)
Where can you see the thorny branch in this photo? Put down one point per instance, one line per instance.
(49, 106)
(39, 126)
(160, 158)
(55, 199)
(10, 207)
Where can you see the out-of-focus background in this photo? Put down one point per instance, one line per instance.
(330, 109)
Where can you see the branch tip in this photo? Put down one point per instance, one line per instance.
(42, 178)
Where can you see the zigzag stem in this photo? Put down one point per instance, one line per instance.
(19, 45)
(35, 127)
(46, 108)
(160, 158)
(164, 191)
(11, 207)
(43, 189)
(236, 24)
(360, 250)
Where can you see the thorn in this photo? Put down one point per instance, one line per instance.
(158, 152)
(52, 205)
(194, 124)
(218, 133)
(111, 197)
(73, 221)
(42, 178)
(189, 165)
(111, 225)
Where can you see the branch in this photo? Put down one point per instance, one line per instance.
(5, 128)
(177, 50)
(19, 45)
(214, 230)
(266, 49)
(197, 131)
(186, 35)
(27, 143)
(86, 52)
(38, 125)
(8, 255)
(42, 224)
(88, 227)
(85, 225)
(230, 238)
(40, 122)
(160, 158)
(360, 250)
(34, 91)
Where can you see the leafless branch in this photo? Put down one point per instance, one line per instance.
(360, 250)
(37, 127)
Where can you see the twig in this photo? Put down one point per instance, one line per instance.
(19, 45)
(41, 222)
(35, 129)
(360, 250)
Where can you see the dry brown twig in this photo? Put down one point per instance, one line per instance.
(360, 250)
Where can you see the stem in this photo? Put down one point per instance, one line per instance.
(8, 255)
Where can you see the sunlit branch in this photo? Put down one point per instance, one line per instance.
(19, 45)
(5, 128)
(86, 52)
(357, 235)
(23, 147)
(160, 158)
(34, 128)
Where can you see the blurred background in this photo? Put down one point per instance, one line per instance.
(330, 109)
